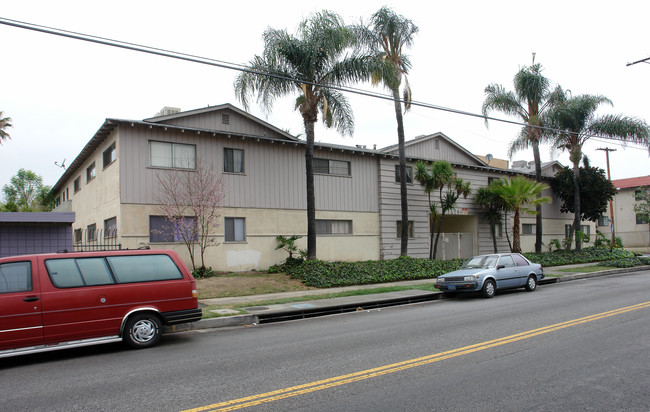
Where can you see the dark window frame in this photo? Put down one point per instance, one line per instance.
(109, 156)
(324, 227)
(162, 230)
(409, 174)
(77, 184)
(230, 231)
(91, 172)
(174, 162)
(411, 232)
(324, 166)
(229, 165)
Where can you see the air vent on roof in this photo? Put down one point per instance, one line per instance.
(225, 118)
(165, 111)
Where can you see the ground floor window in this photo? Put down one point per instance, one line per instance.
(162, 229)
(528, 229)
(399, 228)
(235, 229)
(333, 227)
(110, 227)
(603, 221)
(583, 228)
(91, 236)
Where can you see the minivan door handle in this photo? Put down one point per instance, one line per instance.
(31, 299)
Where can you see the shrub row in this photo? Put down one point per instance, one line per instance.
(628, 262)
(569, 257)
(321, 274)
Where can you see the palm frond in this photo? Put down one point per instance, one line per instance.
(497, 98)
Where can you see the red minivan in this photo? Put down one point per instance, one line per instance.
(65, 300)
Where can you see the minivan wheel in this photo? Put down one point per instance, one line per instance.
(142, 331)
(489, 289)
(531, 283)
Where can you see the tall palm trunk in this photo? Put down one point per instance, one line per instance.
(404, 236)
(311, 197)
(494, 236)
(538, 178)
(516, 242)
(576, 201)
(505, 228)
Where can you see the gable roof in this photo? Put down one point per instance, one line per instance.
(422, 140)
(631, 182)
(221, 107)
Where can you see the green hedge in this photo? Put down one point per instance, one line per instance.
(628, 262)
(323, 274)
(569, 257)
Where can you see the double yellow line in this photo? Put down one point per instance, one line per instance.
(400, 366)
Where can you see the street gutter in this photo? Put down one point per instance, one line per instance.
(309, 309)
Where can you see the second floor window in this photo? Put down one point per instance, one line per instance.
(409, 174)
(172, 155)
(332, 167)
(109, 155)
(233, 160)
(90, 172)
(77, 184)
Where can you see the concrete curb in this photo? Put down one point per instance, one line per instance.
(252, 319)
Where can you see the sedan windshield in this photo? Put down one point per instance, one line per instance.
(481, 262)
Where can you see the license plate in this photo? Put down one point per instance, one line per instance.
(451, 287)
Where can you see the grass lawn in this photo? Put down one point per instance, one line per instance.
(240, 307)
(231, 284)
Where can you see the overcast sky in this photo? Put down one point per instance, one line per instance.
(58, 91)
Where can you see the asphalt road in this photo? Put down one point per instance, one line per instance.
(579, 345)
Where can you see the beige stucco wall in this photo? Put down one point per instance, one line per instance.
(553, 229)
(625, 226)
(98, 199)
(262, 226)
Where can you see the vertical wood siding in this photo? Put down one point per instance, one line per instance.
(237, 123)
(274, 173)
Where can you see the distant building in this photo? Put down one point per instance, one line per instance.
(627, 224)
(35, 232)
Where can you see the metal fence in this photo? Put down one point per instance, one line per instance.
(88, 240)
(455, 245)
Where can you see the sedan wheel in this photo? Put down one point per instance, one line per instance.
(489, 289)
(531, 283)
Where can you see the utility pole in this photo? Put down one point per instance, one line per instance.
(611, 208)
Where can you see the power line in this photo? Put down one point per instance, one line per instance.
(243, 68)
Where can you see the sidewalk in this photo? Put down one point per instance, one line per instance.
(312, 308)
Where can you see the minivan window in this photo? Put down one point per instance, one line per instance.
(95, 271)
(64, 273)
(145, 268)
(15, 277)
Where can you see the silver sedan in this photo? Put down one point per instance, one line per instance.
(487, 273)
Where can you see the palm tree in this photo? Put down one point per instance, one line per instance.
(492, 205)
(306, 64)
(519, 195)
(575, 118)
(531, 98)
(387, 36)
(5, 122)
(440, 176)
